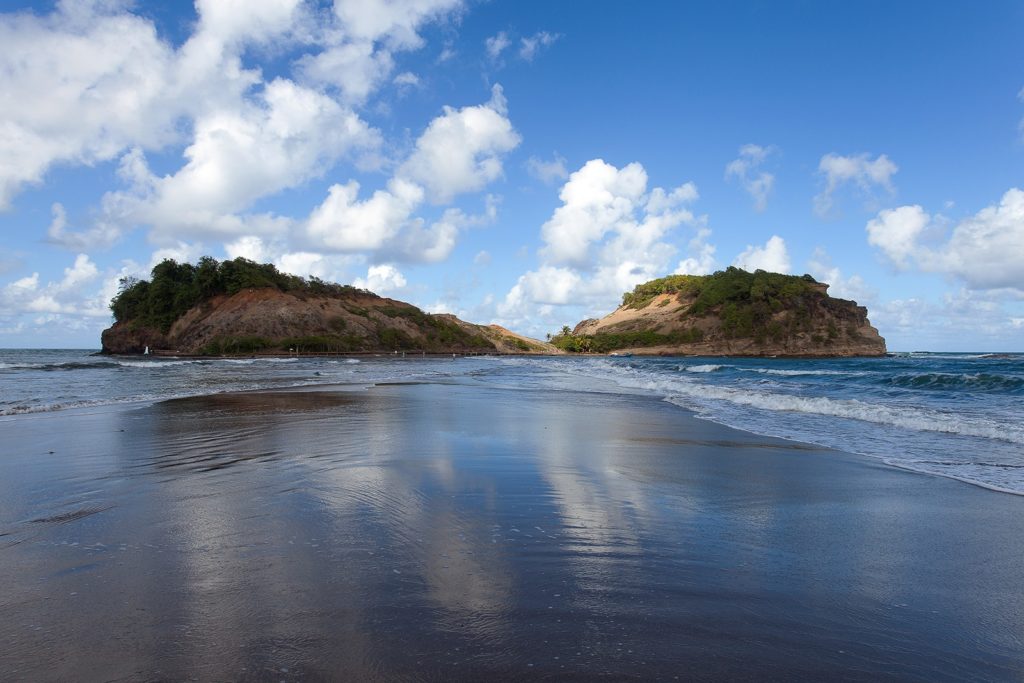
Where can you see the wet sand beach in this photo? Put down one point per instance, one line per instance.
(454, 532)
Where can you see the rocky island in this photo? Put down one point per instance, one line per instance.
(729, 313)
(242, 307)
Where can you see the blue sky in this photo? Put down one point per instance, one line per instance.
(518, 162)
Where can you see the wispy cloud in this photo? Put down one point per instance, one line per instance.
(864, 173)
(745, 169)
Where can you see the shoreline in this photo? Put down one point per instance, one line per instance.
(648, 352)
(129, 403)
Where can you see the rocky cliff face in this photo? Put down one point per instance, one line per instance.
(747, 315)
(269, 320)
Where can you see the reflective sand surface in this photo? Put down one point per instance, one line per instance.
(429, 532)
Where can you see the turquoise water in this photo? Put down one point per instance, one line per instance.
(954, 415)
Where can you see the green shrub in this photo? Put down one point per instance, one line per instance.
(643, 295)
(324, 343)
(226, 346)
(745, 303)
(611, 341)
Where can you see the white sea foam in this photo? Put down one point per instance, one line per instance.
(253, 361)
(798, 373)
(695, 394)
(155, 363)
(943, 356)
(51, 407)
(703, 368)
(907, 418)
(969, 473)
(72, 405)
(23, 366)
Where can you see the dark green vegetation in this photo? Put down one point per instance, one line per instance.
(523, 345)
(642, 295)
(731, 303)
(732, 285)
(174, 288)
(441, 336)
(605, 342)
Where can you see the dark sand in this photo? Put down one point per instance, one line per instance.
(433, 532)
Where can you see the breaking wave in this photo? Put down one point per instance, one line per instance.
(801, 373)
(701, 368)
(695, 395)
(945, 381)
(854, 409)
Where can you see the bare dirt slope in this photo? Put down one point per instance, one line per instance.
(269, 320)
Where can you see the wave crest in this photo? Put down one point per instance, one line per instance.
(907, 418)
(976, 382)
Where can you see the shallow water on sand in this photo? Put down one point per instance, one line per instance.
(954, 415)
(446, 531)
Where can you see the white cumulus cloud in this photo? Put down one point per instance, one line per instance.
(255, 21)
(79, 86)
(896, 232)
(92, 82)
(461, 150)
(596, 199)
(772, 257)
(420, 242)
(608, 235)
(290, 135)
(359, 46)
(68, 296)
(985, 251)
(702, 255)
(356, 69)
(345, 223)
(380, 279)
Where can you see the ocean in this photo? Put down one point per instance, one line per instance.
(955, 415)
